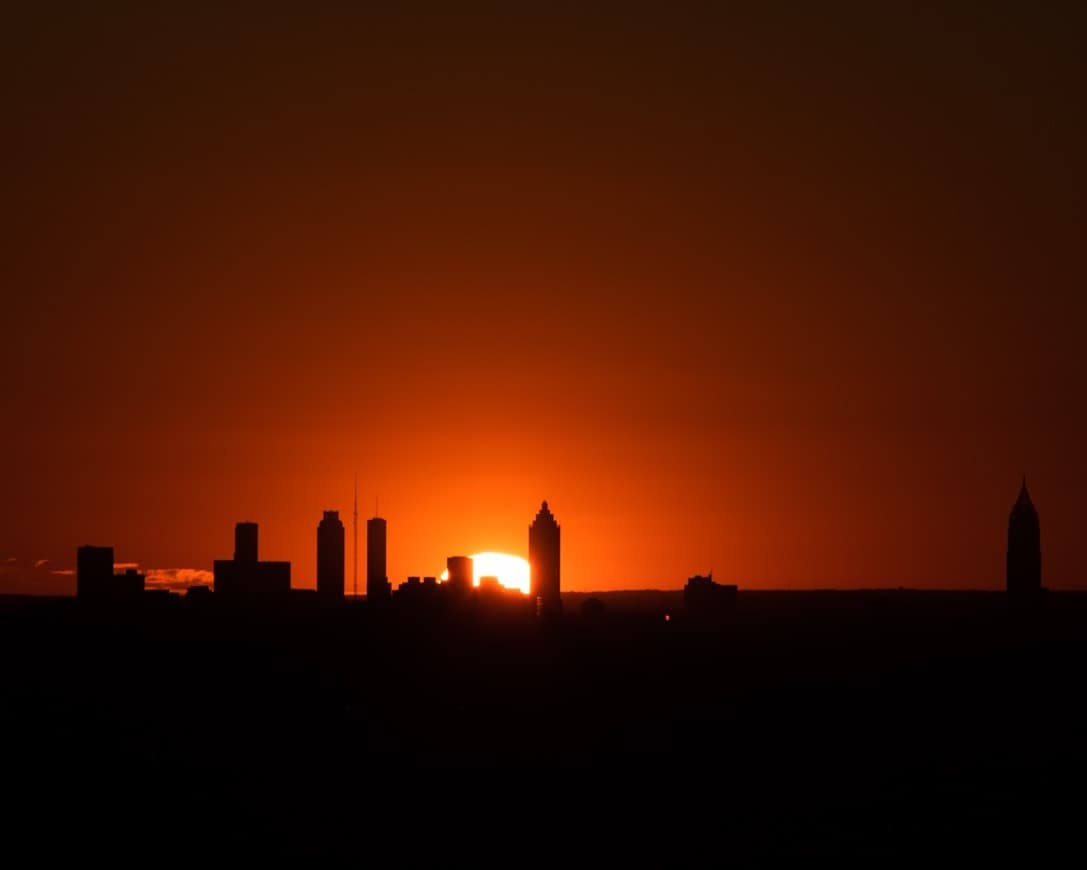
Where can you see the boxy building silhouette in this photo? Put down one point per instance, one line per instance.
(245, 576)
(377, 580)
(461, 571)
(703, 597)
(330, 547)
(96, 580)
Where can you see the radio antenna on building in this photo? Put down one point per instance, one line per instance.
(355, 555)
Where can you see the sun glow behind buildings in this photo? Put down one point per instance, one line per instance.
(511, 571)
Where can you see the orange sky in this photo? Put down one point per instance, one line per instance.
(793, 297)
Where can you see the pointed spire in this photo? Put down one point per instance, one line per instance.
(1024, 503)
(544, 516)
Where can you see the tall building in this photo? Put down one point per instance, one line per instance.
(96, 581)
(1024, 563)
(245, 542)
(94, 571)
(377, 580)
(461, 571)
(330, 548)
(543, 560)
(245, 576)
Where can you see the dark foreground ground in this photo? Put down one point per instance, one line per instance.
(928, 726)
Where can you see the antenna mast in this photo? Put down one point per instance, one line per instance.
(355, 555)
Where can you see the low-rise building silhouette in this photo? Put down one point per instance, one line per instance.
(489, 585)
(419, 593)
(704, 598)
(245, 576)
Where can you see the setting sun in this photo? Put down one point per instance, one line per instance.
(511, 571)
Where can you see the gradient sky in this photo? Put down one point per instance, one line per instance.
(793, 295)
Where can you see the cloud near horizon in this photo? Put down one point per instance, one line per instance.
(177, 578)
(20, 576)
(37, 577)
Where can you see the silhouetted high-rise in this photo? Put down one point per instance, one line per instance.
(245, 576)
(245, 542)
(95, 579)
(543, 559)
(94, 571)
(460, 570)
(1024, 546)
(377, 580)
(330, 556)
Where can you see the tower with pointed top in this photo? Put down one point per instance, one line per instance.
(1024, 565)
(543, 559)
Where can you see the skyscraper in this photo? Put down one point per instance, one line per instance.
(460, 573)
(377, 581)
(94, 571)
(96, 581)
(330, 556)
(245, 576)
(1024, 564)
(543, 559)
(245, 542)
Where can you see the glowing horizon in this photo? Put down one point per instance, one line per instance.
(512, 572)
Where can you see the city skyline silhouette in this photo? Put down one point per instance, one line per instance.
(1022, 564)
(742, 286)
(245, 577)
(609, 432)
(303, 720)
